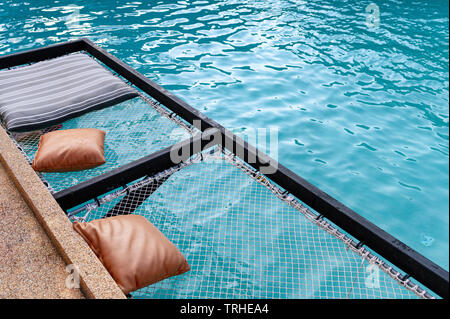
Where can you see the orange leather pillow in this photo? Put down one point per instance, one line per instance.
(133, 250)
(70, 150)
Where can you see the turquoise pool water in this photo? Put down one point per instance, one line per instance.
(362, 112)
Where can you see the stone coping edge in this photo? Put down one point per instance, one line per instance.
(95, 280)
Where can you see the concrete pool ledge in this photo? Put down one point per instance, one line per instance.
(95, 281)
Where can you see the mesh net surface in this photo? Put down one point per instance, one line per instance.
(243, 240)
(134, 129)
(242, 237)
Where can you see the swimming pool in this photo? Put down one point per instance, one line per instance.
(362, 113)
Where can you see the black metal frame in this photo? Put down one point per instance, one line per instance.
(390, 248)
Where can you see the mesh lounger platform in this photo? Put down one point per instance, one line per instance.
(134, 128)
(244, 239)
(246, 233)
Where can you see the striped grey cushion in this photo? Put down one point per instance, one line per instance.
(50, 92)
